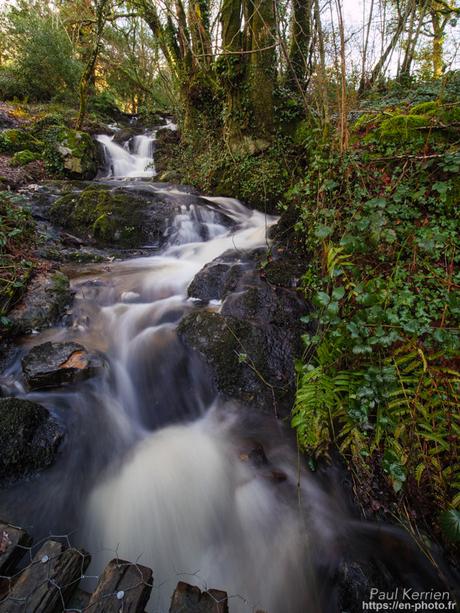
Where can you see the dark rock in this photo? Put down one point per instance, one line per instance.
(125, 134)
(29, 438)
(45, 301)
(190, 599)
(55, 364)
(166, 142)
(224, 275)
(13, 545)
(127, 217)
(252, 344)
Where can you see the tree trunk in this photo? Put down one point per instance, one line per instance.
(377, 70)
(88, 72)
(233, 72)
(322, 81)
(262, 63)
(438, 43)
(299, 49)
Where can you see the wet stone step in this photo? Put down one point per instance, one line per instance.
(14, 543)
(190, 599)
(54, 364)
(122, 587)
(48, 583)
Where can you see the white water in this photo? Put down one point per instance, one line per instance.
(123, 164)
(183, 502)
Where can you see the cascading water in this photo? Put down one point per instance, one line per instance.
(122, 163)
(154, 466)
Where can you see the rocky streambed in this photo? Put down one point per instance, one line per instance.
(146, 401)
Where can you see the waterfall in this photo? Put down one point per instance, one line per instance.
(122, 163)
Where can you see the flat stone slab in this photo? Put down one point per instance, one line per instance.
(56, 364)
(13, 544)
(122, 587)
(190, 599)
(48, 583)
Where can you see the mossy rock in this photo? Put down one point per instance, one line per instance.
(79, 154)
(16, 140)
(368, 121)
(441, 113)
(22, 158)
(402, 128)
(44, 302)
(116, 217)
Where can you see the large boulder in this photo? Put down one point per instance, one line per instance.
(225, 274)
(251, 346)
(56, 364)
(46, 300)
(128, 217)
(29, 438)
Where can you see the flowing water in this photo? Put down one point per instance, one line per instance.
(154, 466)
(123, 163)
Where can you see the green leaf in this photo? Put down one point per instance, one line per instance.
(338, 293)
(450, 524)
(323, 231)
(322, 298)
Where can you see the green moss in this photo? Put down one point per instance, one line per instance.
(425, 108)
(15, 140)
(368, 120)
(400, 128)
(108, 216)
(22, 158)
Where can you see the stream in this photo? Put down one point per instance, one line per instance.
(154, 466)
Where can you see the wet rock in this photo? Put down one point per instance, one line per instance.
(45, 301)
(29, 438)
(251, 345)
(166, 142)
(125, 134)
(55, 364)
(126, 217)
(224, 275)
(190, 599)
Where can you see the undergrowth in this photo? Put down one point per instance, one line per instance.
(17, 235)
(380, 375)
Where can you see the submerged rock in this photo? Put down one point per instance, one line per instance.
(29, 438)
(55, 364)
(45, 301)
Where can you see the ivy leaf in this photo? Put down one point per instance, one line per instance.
(323, 232)
(378, 203)
(450, 524)
(322, 298)
(338, 293)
